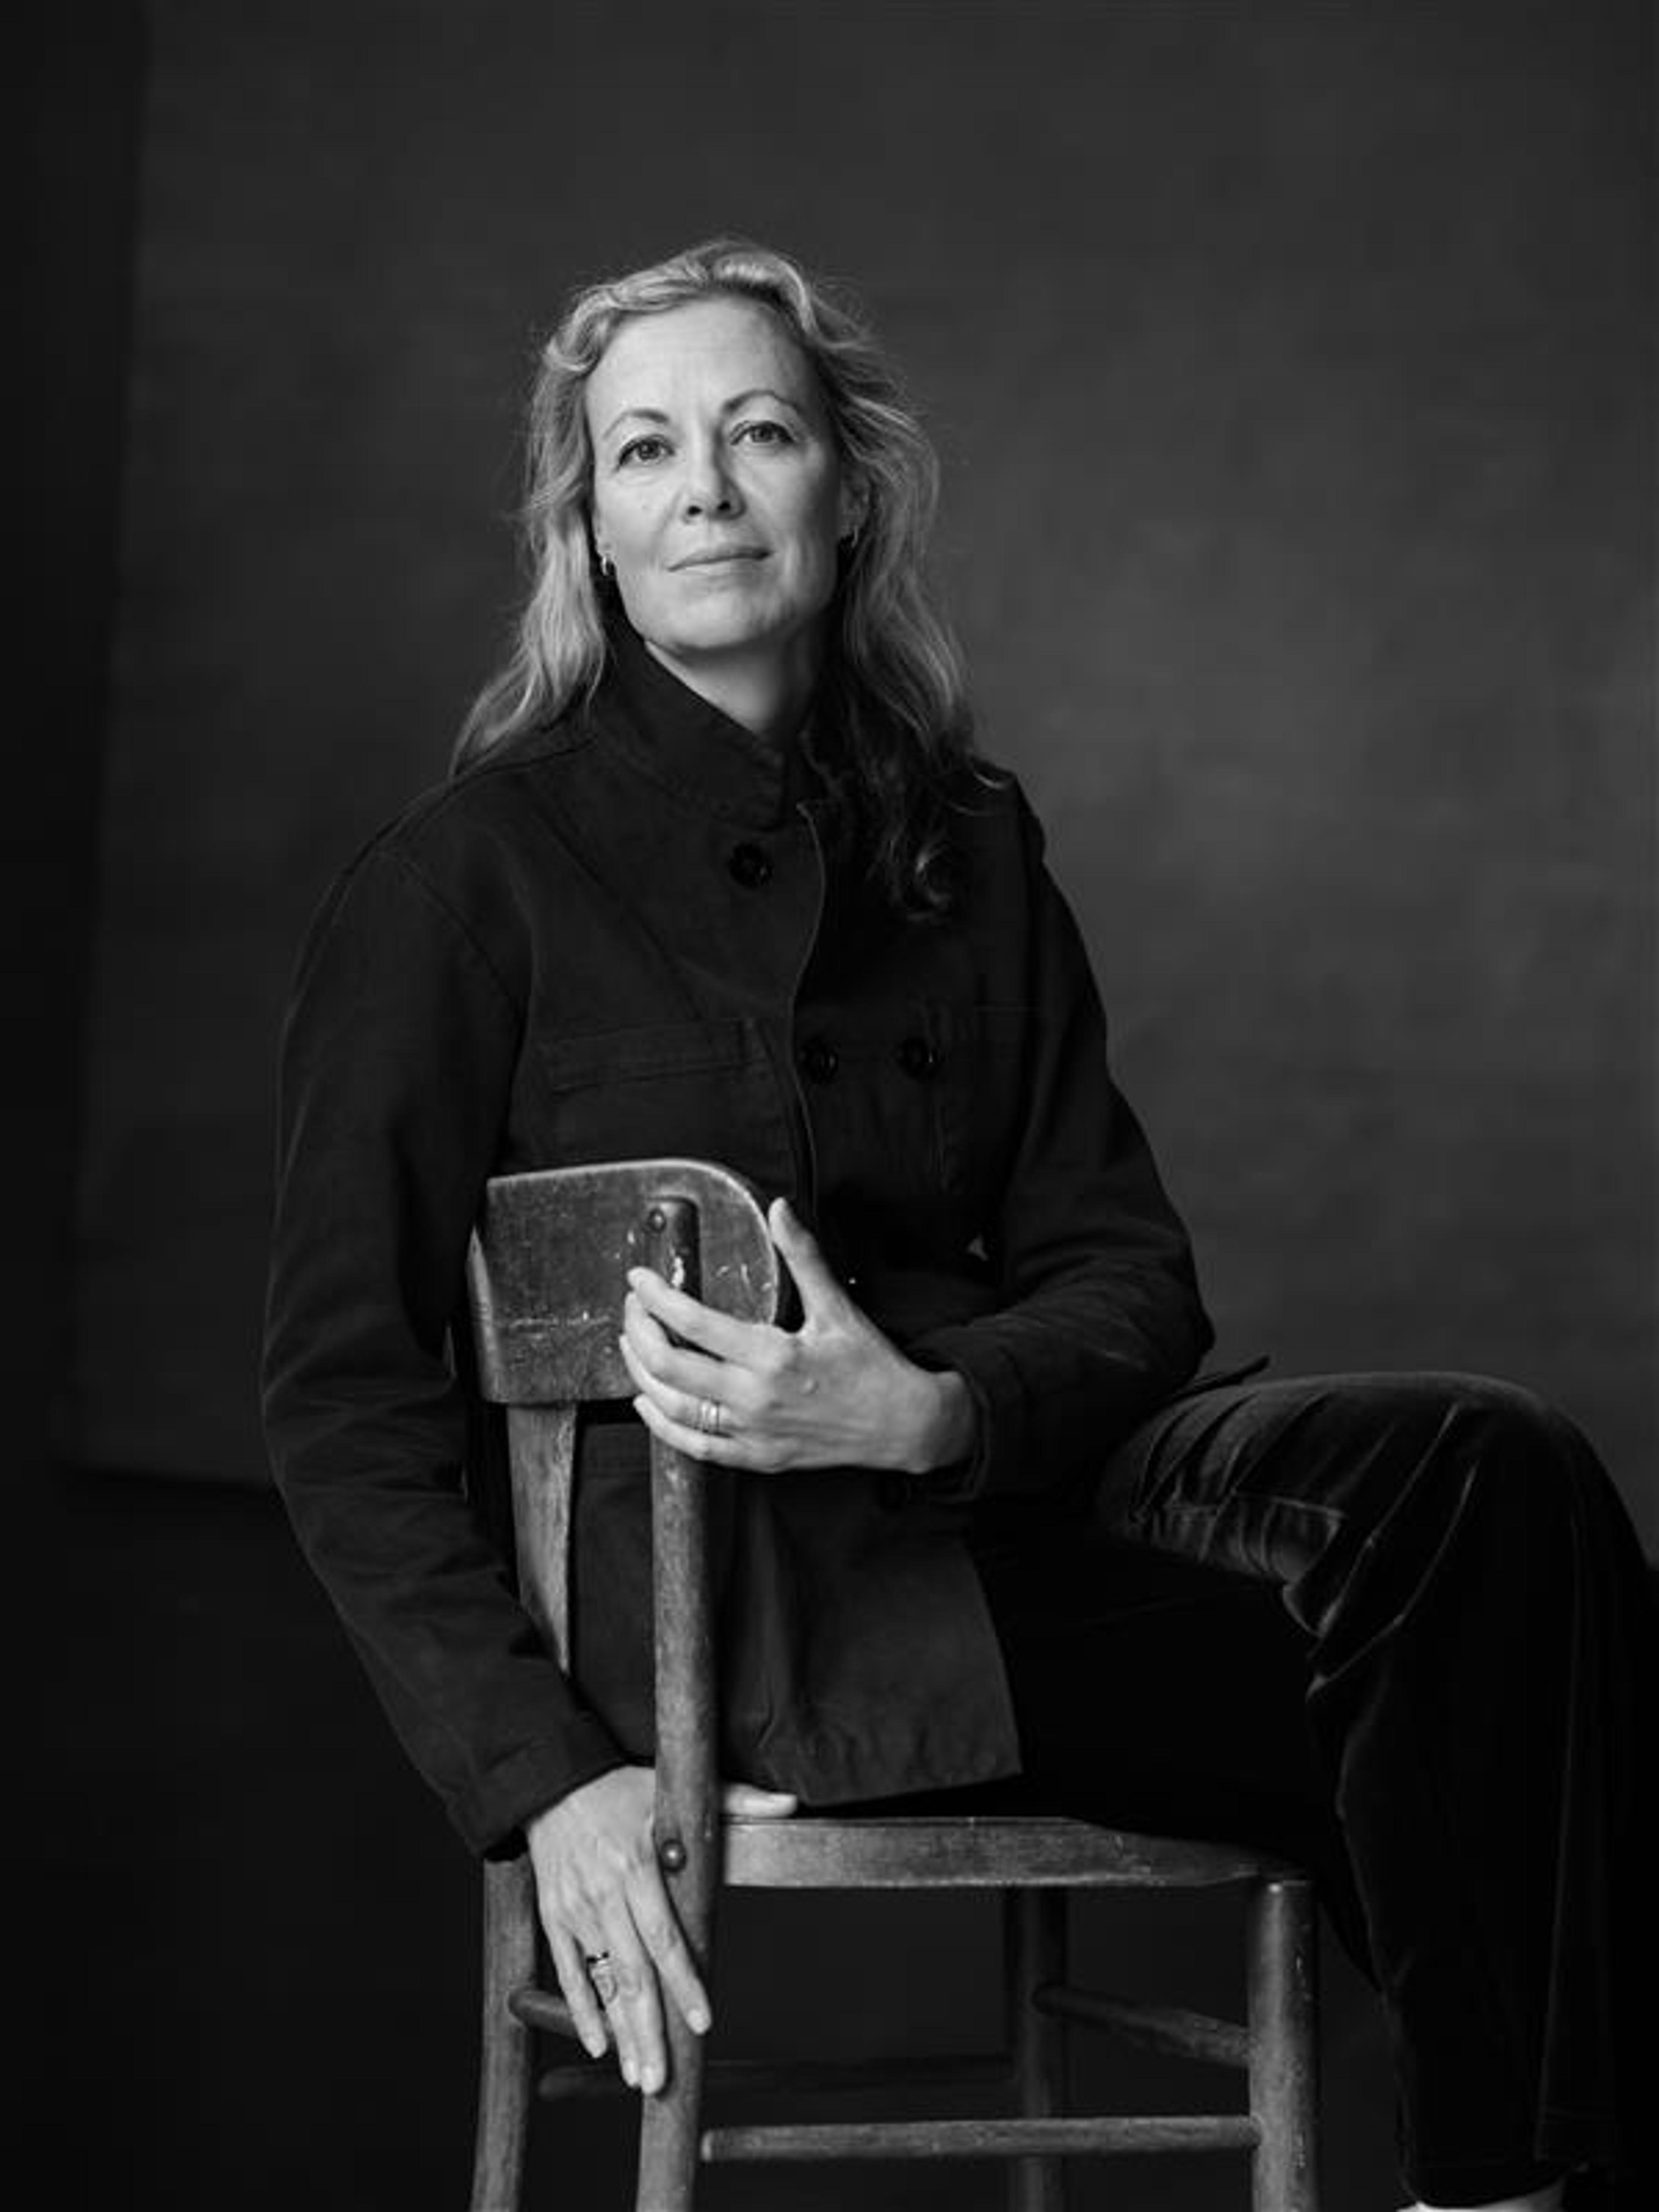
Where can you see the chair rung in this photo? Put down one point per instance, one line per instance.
(1000, 2138)
(1167, 2029)
(581, 2077)
(803, 2077)
(540, 2008)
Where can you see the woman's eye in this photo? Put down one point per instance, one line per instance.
(647, 448)
(765, 433)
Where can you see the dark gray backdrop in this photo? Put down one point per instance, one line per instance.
(1292, 368)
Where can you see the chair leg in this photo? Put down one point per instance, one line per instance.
(1035, 1953)
(507, 2051)
(670, 2123)
(1284, 1974)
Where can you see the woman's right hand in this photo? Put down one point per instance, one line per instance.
(599, 1890)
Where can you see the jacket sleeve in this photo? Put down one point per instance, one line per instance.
(398, 1060)
(1100, 1317)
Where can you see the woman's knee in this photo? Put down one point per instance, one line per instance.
(1529, 1458)
(1506, 1420)
(1430, 1449)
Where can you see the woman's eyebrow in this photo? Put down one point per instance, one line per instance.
(762, 392)
(727, 407)
(632, 414)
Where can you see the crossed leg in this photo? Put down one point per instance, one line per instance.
(1399, 1624)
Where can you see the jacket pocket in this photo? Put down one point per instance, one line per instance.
(647, 1050)
(698, 1090)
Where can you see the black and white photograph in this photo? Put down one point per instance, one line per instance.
(834, 1278)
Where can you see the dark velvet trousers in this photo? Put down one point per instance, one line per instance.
(1399, 1626)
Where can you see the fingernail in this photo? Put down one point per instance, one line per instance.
(635, 1277)
(650, 2081)
(628, 2073)
(697, 2020)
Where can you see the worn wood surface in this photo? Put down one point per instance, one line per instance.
(997, 2138)
(1034, 1954)
(985, 2071)
(686, 1814)
(540, 2008)
(972, 1851)
(541, 1449)
(686, 1820)
(506, 2046)
(1168, 2028)
(547, 1269)
(1283, 1940)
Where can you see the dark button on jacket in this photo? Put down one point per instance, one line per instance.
(554, 959)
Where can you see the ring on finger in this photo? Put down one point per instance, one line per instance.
(603, 1976)
(711, 1416)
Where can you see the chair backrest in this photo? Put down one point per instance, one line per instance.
(547, 1276)
(548, 1262)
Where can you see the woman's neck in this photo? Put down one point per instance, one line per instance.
(767, 692)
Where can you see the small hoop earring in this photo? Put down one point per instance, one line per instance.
(607, 569)
(849, 545)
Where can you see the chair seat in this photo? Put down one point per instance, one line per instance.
(974, 1852)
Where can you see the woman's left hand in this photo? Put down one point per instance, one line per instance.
(833, 1392)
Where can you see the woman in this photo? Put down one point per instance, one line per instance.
(719, 874)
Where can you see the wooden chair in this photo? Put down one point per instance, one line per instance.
(546, 1281)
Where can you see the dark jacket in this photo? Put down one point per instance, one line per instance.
(629, 934)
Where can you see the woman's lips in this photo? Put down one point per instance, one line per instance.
(714, 556)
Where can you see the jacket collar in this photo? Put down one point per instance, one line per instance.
(683, 743)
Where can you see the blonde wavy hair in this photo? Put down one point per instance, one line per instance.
(893, 682)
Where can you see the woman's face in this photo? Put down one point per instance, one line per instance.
(717, 489)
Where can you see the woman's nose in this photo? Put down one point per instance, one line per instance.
(708, 487)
